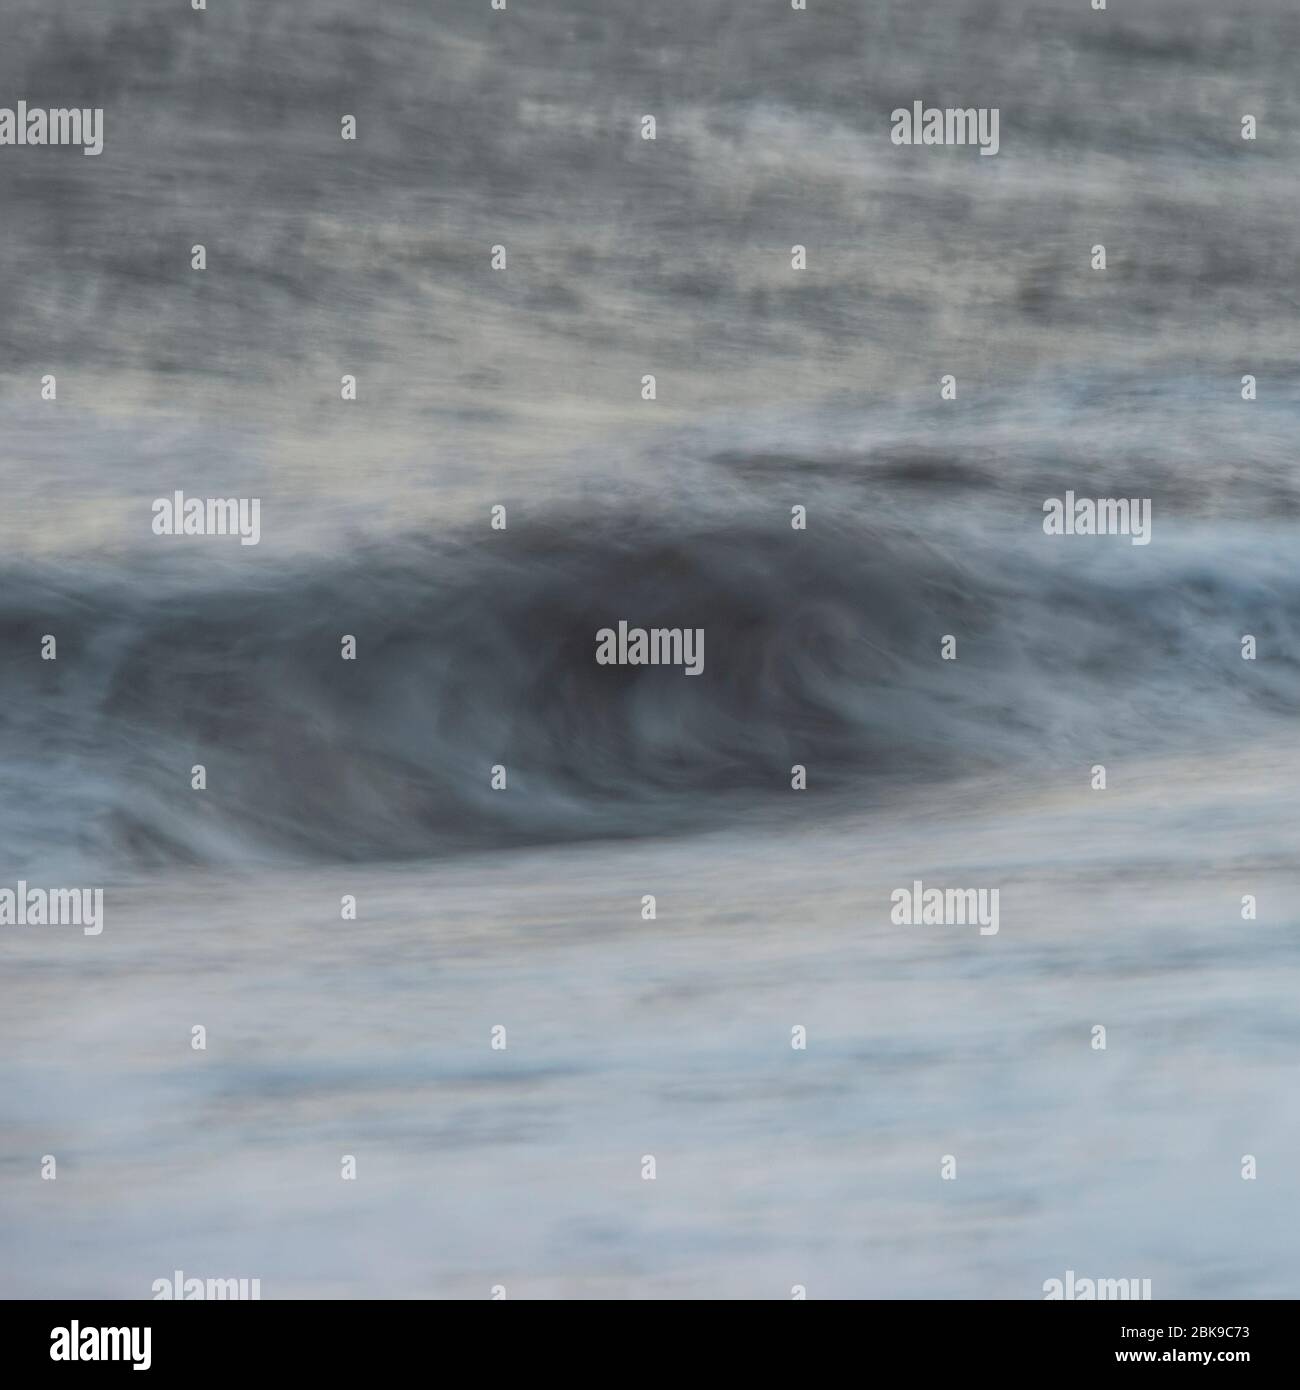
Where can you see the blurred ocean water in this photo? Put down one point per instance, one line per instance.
(776, 388)
(775, 1167)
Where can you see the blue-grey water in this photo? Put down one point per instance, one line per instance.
(522, 908)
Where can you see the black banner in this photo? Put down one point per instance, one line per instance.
(338, 1338)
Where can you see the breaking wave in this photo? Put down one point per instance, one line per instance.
(822, 648)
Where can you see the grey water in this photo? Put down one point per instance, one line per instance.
(522, 909)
